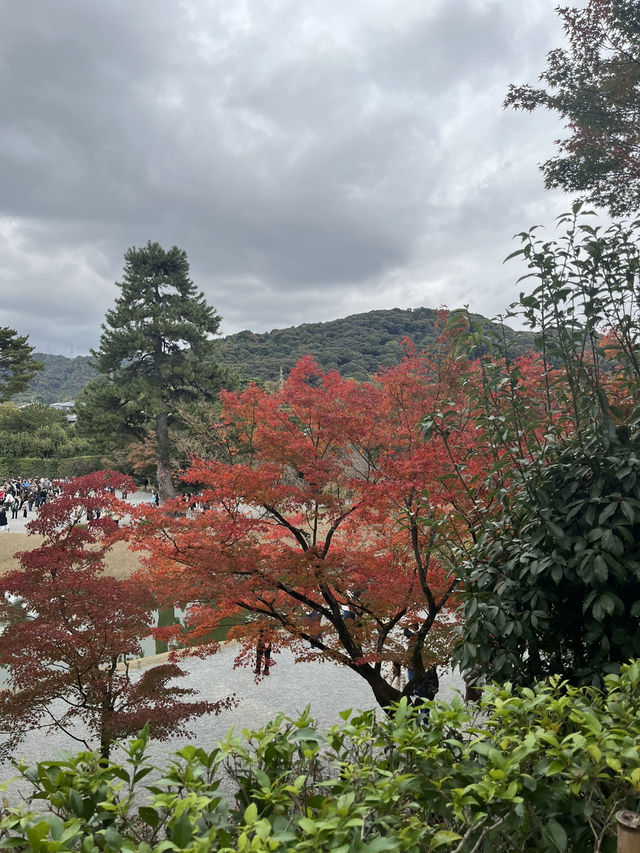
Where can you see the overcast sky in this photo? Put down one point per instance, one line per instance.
(314, 159)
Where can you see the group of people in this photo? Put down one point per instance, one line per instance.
(21, 496)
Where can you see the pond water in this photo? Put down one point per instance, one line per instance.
(151, 646)
(175, 615)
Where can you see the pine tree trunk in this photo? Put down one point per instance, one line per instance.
(166, 489)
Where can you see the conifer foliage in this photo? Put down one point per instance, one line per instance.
(156, 350)
(17, 366)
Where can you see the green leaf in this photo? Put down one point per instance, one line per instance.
(600, 568)
(77, 803)
(251, 814)
(555, 834)
(611, 543)
(557, 531)
(514, 255)
(380, 845)
(306, 734)
(56, 826)
(140, 774)
(443, 837)
(37, 833)
(307, 825)
(262, 778)
(607, 512)
(113, 838)
(627, 511)
(182, 831)
(149, 816)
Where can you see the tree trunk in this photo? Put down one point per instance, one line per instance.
(628, 832)
(105, 740)
(166, 489)
(384, 693)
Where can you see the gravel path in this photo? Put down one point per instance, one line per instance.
(327, 688)
(19, 524)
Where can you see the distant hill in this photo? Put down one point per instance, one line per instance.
(62, 379)
(357, 346)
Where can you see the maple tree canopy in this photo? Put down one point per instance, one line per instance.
(326, 517)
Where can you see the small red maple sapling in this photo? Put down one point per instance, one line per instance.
(68, 624)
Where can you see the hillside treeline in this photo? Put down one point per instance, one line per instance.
(357, 346)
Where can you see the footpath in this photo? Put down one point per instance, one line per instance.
(19, 524)
(325, 687)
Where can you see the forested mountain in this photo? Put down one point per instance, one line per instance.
(357, 346)
(62, 379)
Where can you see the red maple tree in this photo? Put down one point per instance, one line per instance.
(68, 625)
(320, 516)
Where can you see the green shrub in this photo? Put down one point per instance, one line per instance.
(553, 586)
(78, 466)
(540, 769)
(32, 466)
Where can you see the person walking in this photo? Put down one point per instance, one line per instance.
(263, 655)
(426, 690)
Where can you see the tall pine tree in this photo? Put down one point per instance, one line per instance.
(17, 366)
(156, 348)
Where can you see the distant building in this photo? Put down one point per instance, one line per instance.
(66, 407)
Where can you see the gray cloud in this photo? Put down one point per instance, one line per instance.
(313, 160)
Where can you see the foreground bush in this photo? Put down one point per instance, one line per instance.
(541, 769)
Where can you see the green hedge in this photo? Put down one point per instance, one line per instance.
(542, 769)
(32, 466)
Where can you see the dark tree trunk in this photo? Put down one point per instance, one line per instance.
(385, 694)
(105, 739)
(105, 747)
(166, 489)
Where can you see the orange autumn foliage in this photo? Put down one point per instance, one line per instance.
(325, 513)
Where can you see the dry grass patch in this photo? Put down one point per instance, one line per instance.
(121, 562)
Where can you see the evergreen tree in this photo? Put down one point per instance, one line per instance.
(156, 348)
(17, 366)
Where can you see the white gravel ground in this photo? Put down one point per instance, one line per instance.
(327, 688)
